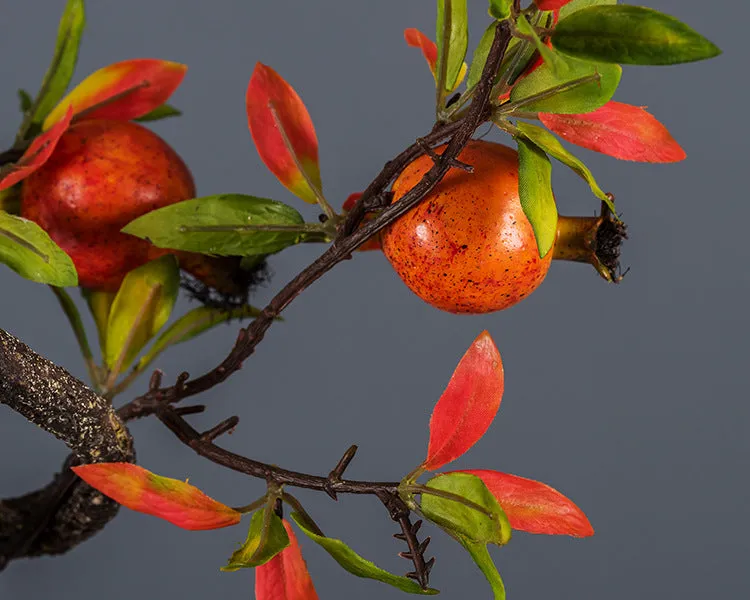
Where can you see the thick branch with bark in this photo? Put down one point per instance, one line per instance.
(66, 512)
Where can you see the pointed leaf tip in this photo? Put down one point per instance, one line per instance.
(123, 91)
(285, 576)
(468, 405)
(417, 39)
(175, 501)
(533, 506)
(36, 154)
(283, 132)
(620, 130)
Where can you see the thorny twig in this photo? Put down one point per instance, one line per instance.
(352, 233)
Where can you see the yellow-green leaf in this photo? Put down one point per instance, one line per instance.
(140, 309)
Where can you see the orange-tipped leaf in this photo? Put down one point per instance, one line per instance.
(283, 133)
(417, 39)
(285, 576)
(36, 154)
(621, 130)
(468, 405)
(535, 507)
(123, 91)
(175, 501)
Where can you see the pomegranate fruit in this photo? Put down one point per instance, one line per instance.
(102, 175)
(467, 247)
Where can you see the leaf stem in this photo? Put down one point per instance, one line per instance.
(322, 202)
(76, 323)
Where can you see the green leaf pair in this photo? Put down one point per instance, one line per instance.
(265, 539)
(472, 526)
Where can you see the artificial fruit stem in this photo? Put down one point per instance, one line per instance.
(595, 240)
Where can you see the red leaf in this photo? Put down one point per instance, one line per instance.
(374, 242)
(36, 154)
(283, 132)
(535, 507)
(175, 501)
(468, 405)
(550, 4)
(621, 130)
(123, 91)
(285, 576)
(417, 39)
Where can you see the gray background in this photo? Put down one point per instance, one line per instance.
(630, 398)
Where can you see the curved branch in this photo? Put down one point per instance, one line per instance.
(66, 512)
(350, 236)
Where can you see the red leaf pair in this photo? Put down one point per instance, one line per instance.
(121, 91)
(620, 130)
(285, 576)
(463, 414)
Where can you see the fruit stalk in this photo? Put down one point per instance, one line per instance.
(595, 240)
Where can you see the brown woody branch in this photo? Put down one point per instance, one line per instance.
(352, 233)
(66, 512)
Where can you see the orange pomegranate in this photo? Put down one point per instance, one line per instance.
(467, 247)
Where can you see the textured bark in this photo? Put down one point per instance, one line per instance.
(66, 512)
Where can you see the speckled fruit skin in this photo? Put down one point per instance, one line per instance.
(468, 247)
(102, 175)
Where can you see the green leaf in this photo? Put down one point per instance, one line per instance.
(356, 565)
(630, 35)
(140, 309)
(481, 556)
(452, 41)
(192, 324)
(29, 251)
(535, 192)
(24, 100)
(548, 55)
(487, 526)
(500, 9)
(480, 57)
(60, 71)
(100, 304)
(160, 112)
(576, 5)
(165, 227)
(552, 146)
(571, 86)
(265, 539)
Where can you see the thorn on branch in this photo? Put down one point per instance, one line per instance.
(179, 385)
(154, 383)
(189, 410)
(334, 476)
(452, 162)
(226, 426)
(415, 554)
